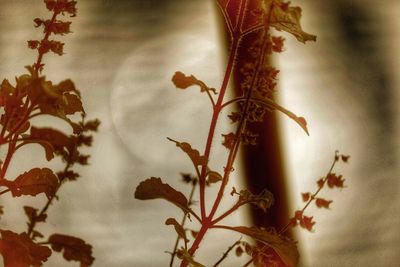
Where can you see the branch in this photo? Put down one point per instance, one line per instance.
(225, 255)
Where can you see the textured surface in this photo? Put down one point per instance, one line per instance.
(122, 55)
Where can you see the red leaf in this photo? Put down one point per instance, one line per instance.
(72, 104)
(323, 203)
(178, 228)
(307, 222)
(154, 188)
(284, 247)
(320, 183)
(51, 140)
(194, 233)
(239, 251)
(75, 249)
(335, 181)
(19, 250)
(33, 44)
(66, 86)
(34, 182)
(32, 214)
(182, 81)
(298, 215)
(277, 44)
(229, 140)
(62, 6)
(57, 47)
(213, 177)
(286, 18)
(306, 196)
(345, 158)
(193, 154)
(60, 27)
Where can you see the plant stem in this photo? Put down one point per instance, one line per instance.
(37, 66)
(335, 160)
(248, 263)
(242, 125)
(171, 263)
(32, 224)
(206, 221)
(230, 211)
(225, 255)
(213, 124)
(10, 153)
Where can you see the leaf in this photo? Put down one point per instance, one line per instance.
(188, 178)
(286, 18)
(178, 228)
(57, 47)
(264, 200)
(19, 250)
(345, 158)
(229, 140)
(306, 196)
(154, 188)
(62, 6)
(75, 249)
(194, 233)
(277, 43)
(335, 181)
(184, 255)
(193, 154)
(239, 251)
(34, 182)
(71, 104)
(33, 44)
(66, 86)
(273, 105)
(182, 81)
(305, 221)
(51, 140)
(91, 126)
(320, 183)
(69, 175)
(56, 100)
(285, 248)
(60, 27)
(31, 213)
(323, 203)
(238, 23)
(213, 177)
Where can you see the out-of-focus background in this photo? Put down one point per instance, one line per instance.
(122, 55)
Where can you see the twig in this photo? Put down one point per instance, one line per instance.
(171, 263)
(225, 255)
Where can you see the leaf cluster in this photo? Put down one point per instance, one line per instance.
(32, 96)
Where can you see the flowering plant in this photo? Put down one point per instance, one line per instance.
(249, 24)
(30, 97)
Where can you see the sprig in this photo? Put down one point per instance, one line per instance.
(248, 24)
(33, 96)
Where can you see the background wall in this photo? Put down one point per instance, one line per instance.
(122, 55)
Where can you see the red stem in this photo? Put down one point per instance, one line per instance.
(10, 153)
(45, 38)
(213, 124)
(312, 198)
(206, 220)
